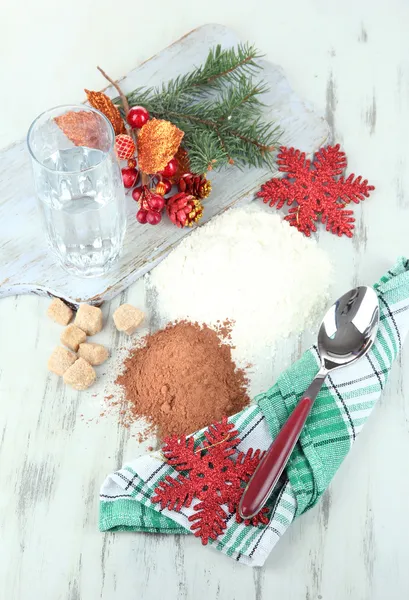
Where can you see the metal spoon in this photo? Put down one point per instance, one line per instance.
(346, 334)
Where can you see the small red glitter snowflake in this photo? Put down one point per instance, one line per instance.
(319, 189)
(209, 474)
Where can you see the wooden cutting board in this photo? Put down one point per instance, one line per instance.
(26, 264)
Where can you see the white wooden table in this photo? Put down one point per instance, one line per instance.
(354, 544)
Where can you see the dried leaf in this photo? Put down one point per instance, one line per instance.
(83, 128)
(158, 142)
(101, 102)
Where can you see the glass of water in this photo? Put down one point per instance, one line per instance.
(79, 188)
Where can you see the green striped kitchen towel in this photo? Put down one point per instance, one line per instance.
(337, 417)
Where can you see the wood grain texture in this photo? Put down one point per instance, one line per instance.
(353, 545)
(30, 268)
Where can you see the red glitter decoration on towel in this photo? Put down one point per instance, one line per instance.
(319, 189)
(209, 474)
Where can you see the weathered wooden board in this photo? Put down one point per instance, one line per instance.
(27, 266)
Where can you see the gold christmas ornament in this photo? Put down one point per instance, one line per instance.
(161, 188)
(101, 102)
(158, 142)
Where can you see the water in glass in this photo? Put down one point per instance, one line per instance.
(81, 198)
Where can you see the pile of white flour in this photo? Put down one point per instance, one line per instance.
(250, 267)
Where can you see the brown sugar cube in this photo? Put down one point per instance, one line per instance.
(59, 312)
(61, 360)
(89, 319)
(72, 337)
(95, 354)
(127, 318)
(80, 375)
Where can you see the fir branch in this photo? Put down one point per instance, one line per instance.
(205, 151)
(218, 106)
(222, 66)
(259, 139)
(242, 59)
(254, 142)
(208, 124)
(243, 97)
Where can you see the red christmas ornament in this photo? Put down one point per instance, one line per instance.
(124, 147)
(319, 189)
(136, 193)
(209, 474)
(137, 117)
(132, 163)
(170, 168)
(153, 217)
(184, 209)
(141, 216)
(129, 176)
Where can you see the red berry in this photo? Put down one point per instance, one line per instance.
(168, 185)
(136, 193)
(137, 117)
(153, 217)
(141, 216)
(129, 176)
(170, 169)
(156, 202)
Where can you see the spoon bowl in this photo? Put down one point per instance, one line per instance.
(349, 328)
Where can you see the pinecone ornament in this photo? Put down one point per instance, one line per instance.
(197, 185)
(184, 209)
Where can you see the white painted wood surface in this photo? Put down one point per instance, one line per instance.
(28, 266)
(354, 544)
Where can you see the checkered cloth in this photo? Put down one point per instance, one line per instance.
(337, 417)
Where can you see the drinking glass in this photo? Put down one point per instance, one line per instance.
(79, 188)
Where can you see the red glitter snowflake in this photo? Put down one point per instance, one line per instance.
(319, 189)
(209, 474)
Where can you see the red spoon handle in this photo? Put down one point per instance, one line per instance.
(272, 465)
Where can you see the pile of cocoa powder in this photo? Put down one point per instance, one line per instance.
(182, 378)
